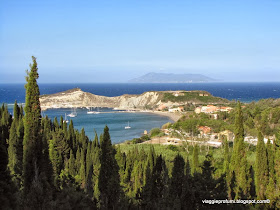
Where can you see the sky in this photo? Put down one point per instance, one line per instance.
(94, 41)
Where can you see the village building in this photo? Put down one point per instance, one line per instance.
(203, 94)
(162, 107)
(177, 109)
(197, 110)
(204, 130)
(225, 109)
(209, 109)
(212, 109)
(226, 134)
(176, 94)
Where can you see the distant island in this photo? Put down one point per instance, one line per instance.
(172, 78)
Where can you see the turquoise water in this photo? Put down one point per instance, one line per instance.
(116, 122)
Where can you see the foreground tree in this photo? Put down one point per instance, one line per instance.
(261, 171)
(34, 179)
(238, 163)
(109, 180)
(177, 182)
(7, 189)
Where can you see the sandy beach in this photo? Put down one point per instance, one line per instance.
(173, 116)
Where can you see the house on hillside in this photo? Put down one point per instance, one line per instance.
(162, 107)
(209, 109)
(197, 110)
(228, 134)
(203, 94)
(225, 109)
(204, 130)
(177, 109)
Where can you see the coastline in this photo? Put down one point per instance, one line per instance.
(171, 115)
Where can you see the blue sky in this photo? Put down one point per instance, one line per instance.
(114, 41)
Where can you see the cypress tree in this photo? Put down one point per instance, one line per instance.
(238, 162)
(5, 123)
(177, 179)
(271, 188)
(95, 142)
(209, 187)
(195, 162)
(120, 158)
(55, 124)
(71, 166)
(82, 171)
(78, 160)
(71, 136)
(159, 182)
(32, 143)
(88, 158)
(109, 180)
(226, 157)
(277, 170)
(7, 188)
(16, 111)
(261, 172)
(36, 189)
(15, 164)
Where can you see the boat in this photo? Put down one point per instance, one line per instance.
(127, 127)
(90, 111)
(93, 112)
(73, 113)
(66, 120)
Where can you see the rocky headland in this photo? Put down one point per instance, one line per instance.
(152, 100)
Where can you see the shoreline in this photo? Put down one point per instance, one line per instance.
(171, 115)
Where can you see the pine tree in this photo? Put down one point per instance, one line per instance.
(261, 172)
(109, 180)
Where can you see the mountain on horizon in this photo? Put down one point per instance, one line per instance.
(171, 78)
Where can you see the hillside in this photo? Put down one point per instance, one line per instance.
(171, 78)
(148, 100)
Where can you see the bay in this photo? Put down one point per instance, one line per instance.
(245, 92)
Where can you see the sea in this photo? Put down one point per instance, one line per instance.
(139, 122)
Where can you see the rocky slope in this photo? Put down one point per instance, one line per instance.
(148, 100)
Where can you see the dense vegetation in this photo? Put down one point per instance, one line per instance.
(48, 164)
(192, 96)
(263, 116)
